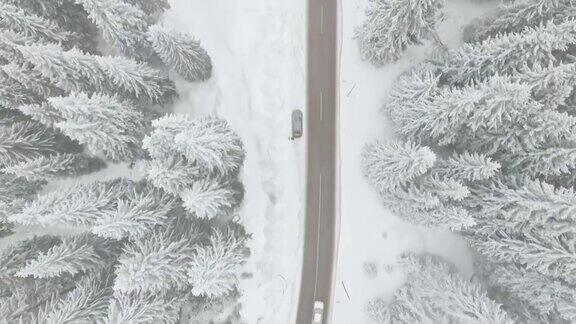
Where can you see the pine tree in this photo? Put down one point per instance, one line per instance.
(433, 293)
(87, 303)
(392, 26)
(74, 255)
(16, 19)
(42, 113)
(9, 42)
(122, 24)
(14, 94)
(57, 165)
(181, 52)
(209, 142)
(213, 269)
(135, 215)
(143, 307)
(517, 15)
(79, 205)
(387, 165)
(506, 53)
(14, 188)
(76, 71)
(105, 124)
(23, 141)
(173, 174)
(155, 263)
(210, 198)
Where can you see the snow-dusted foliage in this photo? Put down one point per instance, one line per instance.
(121, 24)
(57, 165)
(181, 52)
(209, 198)
(173, 174)
(74, 70)
(209, 142)
(434, 293)
(514, 16)
(214, 268)
(150, 7)
(154, 264)
(16, 19)
(101, 122)
(142, 307)
(391, 26)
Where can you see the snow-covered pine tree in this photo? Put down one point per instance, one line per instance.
(42, 113)
(79, 205)
(77, 254)
(514, 16)
(144, 307)
(434, 293)
(389, 164)
(23, 141)
(136, 214)
(394, 25)
(32, 80)
(209, 142)
(87, 303)
(505, 53)
(57, 165)
(181, 52)
(13, 94)
(549, 298)
(103, 123)
(155, 263)
(213, 269)
(76, 71)
(173, 174)
(29, 24)
(122, 25)
(209, 198)
(9, 42)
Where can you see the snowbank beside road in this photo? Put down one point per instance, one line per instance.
(371, 237)
(258, 52)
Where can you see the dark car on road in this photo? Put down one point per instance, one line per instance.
(297, 124)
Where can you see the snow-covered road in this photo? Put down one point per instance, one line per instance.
(258, 51)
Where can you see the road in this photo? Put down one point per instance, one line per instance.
(321, 189)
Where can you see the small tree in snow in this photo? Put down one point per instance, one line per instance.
(143, 307)
(181, 52)
(213, 269)
(469, 167)
(173, 174)
(394, 25)
(103, 123)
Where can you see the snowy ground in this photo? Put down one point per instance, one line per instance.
(258, 51)
(370, 233)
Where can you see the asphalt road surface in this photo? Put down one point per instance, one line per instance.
(321, 218)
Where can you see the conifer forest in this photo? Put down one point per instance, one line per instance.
(484, 146)
(84, 87)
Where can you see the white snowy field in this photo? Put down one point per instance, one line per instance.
(370, 233)
(258, 51)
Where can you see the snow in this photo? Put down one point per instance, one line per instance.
(258, 52)
(369, 232)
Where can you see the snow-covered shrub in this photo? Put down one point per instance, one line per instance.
(391, 26)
